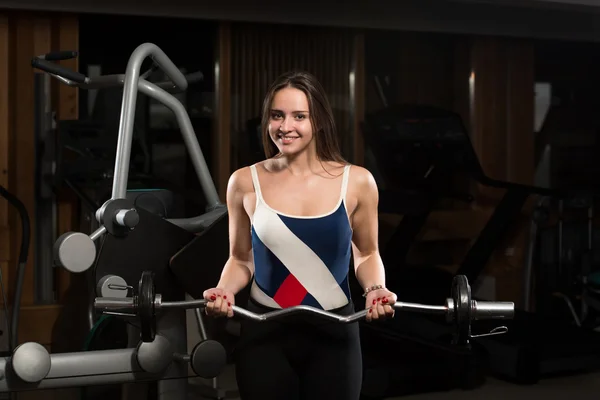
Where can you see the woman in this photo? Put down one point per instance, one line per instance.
(295, 220)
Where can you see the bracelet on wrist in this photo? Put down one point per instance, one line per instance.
(370, 289)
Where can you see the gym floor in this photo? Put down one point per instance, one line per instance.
(579, 387)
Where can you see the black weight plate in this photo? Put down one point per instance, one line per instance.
(146, 295)
(455, 319)
(208, 358)
(468, 304)
(461, 295)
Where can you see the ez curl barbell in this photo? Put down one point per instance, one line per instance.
(459, 310)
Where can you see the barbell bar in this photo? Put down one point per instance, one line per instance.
(459, 310)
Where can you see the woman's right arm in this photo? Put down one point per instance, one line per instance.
(239, 268)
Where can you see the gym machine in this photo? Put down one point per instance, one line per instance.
(136, 245)
(422, 155)
(125, 226)
(535, 345)
(75, 250)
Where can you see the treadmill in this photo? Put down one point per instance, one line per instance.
(405, 141)
(419, 155)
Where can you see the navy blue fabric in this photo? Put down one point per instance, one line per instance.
(329, 237)
(269, 272)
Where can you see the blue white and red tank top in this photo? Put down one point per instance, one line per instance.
(301, 260)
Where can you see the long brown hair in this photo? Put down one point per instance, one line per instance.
(320, 114)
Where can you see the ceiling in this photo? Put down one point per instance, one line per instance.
(577, 20)
(564, 4)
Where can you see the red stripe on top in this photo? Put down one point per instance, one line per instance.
(290, 293)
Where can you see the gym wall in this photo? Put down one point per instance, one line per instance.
(23, 35)
(489, 82)
(260, 52)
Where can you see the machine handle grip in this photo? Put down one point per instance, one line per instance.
(60, 55)
(492, 310)
(56, 69)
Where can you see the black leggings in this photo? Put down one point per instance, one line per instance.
(299, 358)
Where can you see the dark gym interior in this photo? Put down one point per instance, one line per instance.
(476, 118)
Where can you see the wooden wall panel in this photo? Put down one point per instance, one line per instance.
(503, 117)
(425, 66)
(520, 166)
(66, 103)
(420, 68)
(23, 147)
(22, 36)
(261, 52)
(489, 112)
(5, 234)
(503, 108)
(42, 35)
(66, 37)
(4, 121)
(37, 34)
(460, 80)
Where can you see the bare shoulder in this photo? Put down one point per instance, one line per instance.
(240, 181)
(333, 168)
(363, 186)
(362, 179)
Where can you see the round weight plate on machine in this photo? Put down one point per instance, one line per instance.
(145, 306)
(461, 295)
(208, 358)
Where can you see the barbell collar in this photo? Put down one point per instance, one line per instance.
(492, 310)
(450, 307)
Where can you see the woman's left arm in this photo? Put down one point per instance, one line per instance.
(368, 265)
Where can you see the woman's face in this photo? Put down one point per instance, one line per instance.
(289, 123)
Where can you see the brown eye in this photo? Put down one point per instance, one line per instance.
(300, 116)
(275, 116)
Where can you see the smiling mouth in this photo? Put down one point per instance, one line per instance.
(287, 139)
